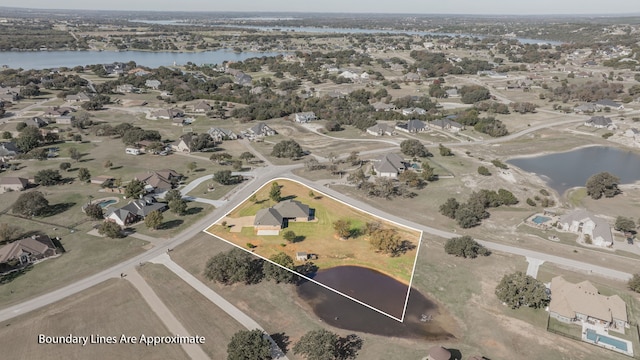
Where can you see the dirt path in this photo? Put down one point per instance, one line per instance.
(166, 316)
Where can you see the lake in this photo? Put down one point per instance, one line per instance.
(379, 291)
(53, 59)
(565, 170)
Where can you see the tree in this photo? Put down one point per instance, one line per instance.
(134, 189)
(444, 151)
(192, 166)
(225, 177)
(47, 177)
(482, 170)
(178, 206)
(110, 229)
(386, 240)
(234, 266)
(428, 172)
(153, 220)
(9, 232)
(353, 158)
(275, 194)
(414, 148)
(506, 197)
(237, 165)
(287, 149)
(29, 139)
(519, 289)
(624, 224)
(246, 156)
(465, 247)
(6, 135)
(277, 273)
(94, 211)
(84, 175)
(108, 164)
(411, 178)
(634, 283)
(220, 158)
(318, 345)
(64, 166)
(342, 228)
(289, 235)
(249, 345)
(74, 154)
(30, 204)
(602, 184)
(449, 208)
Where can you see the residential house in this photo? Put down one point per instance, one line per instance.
(261, 130)
(153, 84)
(79, 97)
(305, 117)
(56, 112)
(413, 110)
(446, 124)
(167, 114)
(302, 256)
(102, 179)
(438, 353)
(452, 93)
(582, 302)
(26, 251)
(126, 88)
(411, 76)
(8, 150)
(599, 122)
(380, 130)
(218, 134)
(134, 211)
(633, 133)
(347, 74)
(201, 107)
(178, 121)
(10, 183)
(269, 221)
(607, 103)
(586, 108)
(380, 106)
(159, 181)
(389, 165)
(586, 224)
(65, 119)
(412, 126)
(242, 79)
(115, 68)
(183, 144)
(37, 122)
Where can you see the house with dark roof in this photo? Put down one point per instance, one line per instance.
(202, 107)
(599, 122)
(412, 126)
(10, 183)
(134, 211)
(37, 122)
(26, 251)
(159, 181)
(608, 103)
(261, 130)
(8, 150)
(581, 302)
(242, 79)
(389, 165)
(269, 221)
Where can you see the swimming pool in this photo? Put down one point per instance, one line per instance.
(104, 204)
(597, 338)
(540, 219)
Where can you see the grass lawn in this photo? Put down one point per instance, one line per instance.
(569, 330)
(319, 236)
(111, 308)
(85, 255)
(198, 315)
(172, 223)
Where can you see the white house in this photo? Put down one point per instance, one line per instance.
(584, 223)
(305, 117)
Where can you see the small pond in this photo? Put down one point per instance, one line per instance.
(565, 170)
(379, 291)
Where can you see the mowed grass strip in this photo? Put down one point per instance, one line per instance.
(318, 237)
(196, 313)
(111, 308)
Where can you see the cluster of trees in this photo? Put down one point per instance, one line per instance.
(601, 184)
(523, 107)
(434, 64)
(465, 247)
(238, 266)
(226, 177)
(287, 149)
(385, 240)
(519, 289)
(47, 177)
(414, 148)
(472, 212)
(489, 125)
(32, 203)
(382, 187)
(624, 224)
(492, 107)
(589, 91)
(471, 94)
(318, 344)
(634, 283)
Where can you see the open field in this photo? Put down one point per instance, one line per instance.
(173, 224)
(112, 308)
(194, 311)
(318, 236)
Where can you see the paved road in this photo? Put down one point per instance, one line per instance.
(223, 304)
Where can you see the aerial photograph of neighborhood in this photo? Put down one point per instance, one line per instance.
(256, 180)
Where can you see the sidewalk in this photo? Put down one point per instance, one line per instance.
(166, 316)
(237, 314)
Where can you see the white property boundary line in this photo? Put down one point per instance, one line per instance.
(415, 261)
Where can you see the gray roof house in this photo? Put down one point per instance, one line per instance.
(26, 251)
(609, 103)
(10, 183)
(291, 209)
(381, 129)
(380, 106)
(389, 165)
(219, 134)
(446, 124)
(412, 126)
(599, 122)
(134, 211)
(261, 129)
(8, 150)
(201, 107)
(37, 122)
(269, 221)
(584, 223)
(267, 218)
(585, 108)
(167, 114)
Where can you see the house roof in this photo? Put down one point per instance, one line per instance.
(382, 106)
(413, 125)
(292, 209)
(380, 128)
(601, 229)
(600, 121)
(142, 207)
(439, 353)
(443, 123)
(260, 128)
(160, 179)
(389, 163)
(268, 216)
(607, 102)
(202, 105)
(11, 180)
(567, 299)
(35, 245)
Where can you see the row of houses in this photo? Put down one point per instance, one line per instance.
(598, 106)
(416, 126)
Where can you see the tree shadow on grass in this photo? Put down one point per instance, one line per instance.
(193, 210)
(349, 346)
(282, 340)
(290, 197)
(7, 278)
(171, 224)
(58, 208)
(299, 238)
(115, 167)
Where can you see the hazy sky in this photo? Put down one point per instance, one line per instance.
(378, 6)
